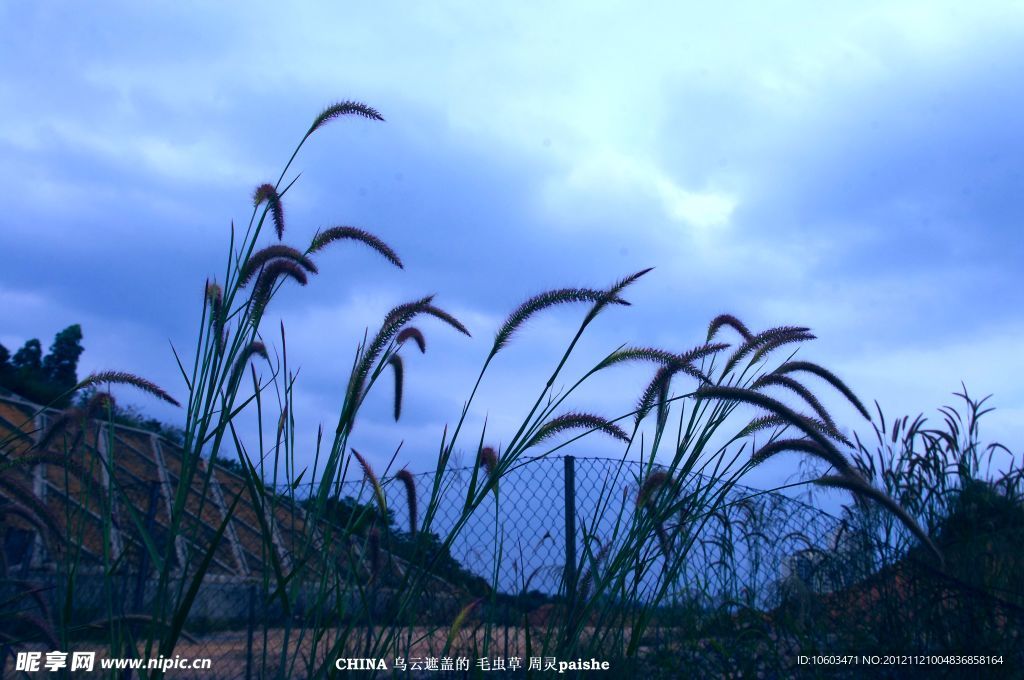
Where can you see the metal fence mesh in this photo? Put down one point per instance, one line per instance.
(753, 552)
(753, 541)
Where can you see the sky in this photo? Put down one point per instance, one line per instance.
(854, 168)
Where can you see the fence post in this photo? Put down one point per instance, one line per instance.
(570, 531)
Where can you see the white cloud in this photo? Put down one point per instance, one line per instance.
(611, 182)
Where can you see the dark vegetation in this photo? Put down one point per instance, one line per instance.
(51, 380)
(47, 379)
(366, 520)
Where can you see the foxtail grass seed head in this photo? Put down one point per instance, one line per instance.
(395, 362)
(786, 338)
(447, 318)
(392, 324)
(215, 299)
(772, 422)
(488, 459)
(766, 341)
(401, 315)
(587, 580)
(731, 321)
(829, 455)
(125, 378)
(268, 193)
(577, 421)
(769, 379)
(214, 295)
(342, 233)
(664, 357)
(653, 483)
(345, 108)
(261, 257)
(611, 296)
(656, 391)
(253, 349)
(371, 478)
(460, 621)
(541, 302)
(631, 354)
(859, 487)
(407, 480)
(272, 272)
(777, 408)
(414, 334)
(827, 376)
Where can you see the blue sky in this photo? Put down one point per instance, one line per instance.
(854, 168)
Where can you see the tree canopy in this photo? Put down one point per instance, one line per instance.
(44, 379)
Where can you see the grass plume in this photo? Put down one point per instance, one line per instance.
(723, 320)
(273, 272)
(344, 108)
(125, 378)
(253, 349)
(766, 341)
(488, 459)
(796, 387)
(268, 193)
(407, 480)
(576, 421)
(342, 233)
(859, 487)
(828, 454)
(261, 257)
(395, 362)
(829, 377)
(371, 477)
(414, 334)
(540, 302)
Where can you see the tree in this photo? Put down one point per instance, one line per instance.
(44, 379)
(29, 359)
(61, 364)
(5, 364)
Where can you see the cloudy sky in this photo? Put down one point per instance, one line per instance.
(855, 168)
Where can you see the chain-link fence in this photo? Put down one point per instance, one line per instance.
(515, 544)
(516, 539)
(542, 539)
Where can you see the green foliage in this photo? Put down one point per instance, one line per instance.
(61, 365)
(133, 416)
(28, 359)
(980, 510)
(45, 380)
(423, 548)
(974, 511)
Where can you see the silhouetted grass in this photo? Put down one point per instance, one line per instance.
(354, 583)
